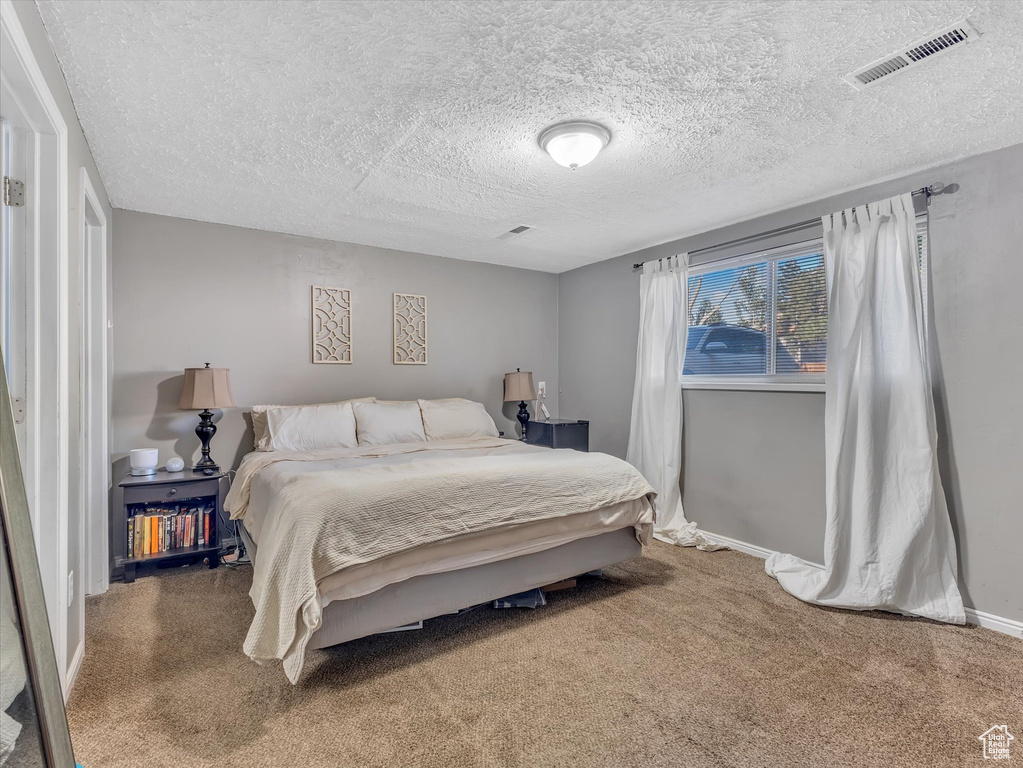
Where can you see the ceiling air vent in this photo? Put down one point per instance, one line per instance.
(916, 53)
(513, 232)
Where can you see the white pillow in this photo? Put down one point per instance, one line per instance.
(450, 419)
(386, 423)
(308, 427)
(261, 435)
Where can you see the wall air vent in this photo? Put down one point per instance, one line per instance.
(922, 50)
(513, 232)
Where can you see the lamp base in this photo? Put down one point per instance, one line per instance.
(205, 432)
(523, 418)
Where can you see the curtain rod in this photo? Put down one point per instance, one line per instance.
(933, 189)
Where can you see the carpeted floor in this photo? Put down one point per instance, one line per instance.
(681, 658)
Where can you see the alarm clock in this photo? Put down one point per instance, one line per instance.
(175, 464)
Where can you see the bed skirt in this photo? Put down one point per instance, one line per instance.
(437, 594)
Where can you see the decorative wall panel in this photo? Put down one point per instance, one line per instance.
(409, 329)
(332, 325)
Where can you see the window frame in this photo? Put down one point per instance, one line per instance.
(780, 382)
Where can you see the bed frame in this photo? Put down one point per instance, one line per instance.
(437, 594)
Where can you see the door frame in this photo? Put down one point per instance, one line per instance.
(95, 391)
(48, 322)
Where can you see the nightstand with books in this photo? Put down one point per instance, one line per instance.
(168, 518)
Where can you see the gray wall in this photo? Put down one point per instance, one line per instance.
(79, 156)
(186, 293)
(753, 461)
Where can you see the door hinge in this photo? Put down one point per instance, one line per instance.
(18, 406)
(14, 191)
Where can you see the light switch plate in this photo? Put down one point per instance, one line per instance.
(541, 389)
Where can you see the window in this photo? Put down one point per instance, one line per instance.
(760, 321)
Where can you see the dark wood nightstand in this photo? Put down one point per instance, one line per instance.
(559, 433)
(168, 517)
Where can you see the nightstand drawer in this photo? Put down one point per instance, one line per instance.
(166, 492)
(559, 433)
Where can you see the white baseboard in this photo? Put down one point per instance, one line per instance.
(72, 671)
(742, 546)
(997, 623)
(973, 616)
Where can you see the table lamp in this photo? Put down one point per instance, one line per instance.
(519, 386)
(206, 388)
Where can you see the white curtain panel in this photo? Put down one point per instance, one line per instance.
(888, 543)
(655, 437)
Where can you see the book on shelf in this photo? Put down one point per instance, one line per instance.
(156, 530)
(139, 537)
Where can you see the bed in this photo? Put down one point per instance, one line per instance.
(351, 540)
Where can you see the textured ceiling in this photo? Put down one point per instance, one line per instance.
(412, 125)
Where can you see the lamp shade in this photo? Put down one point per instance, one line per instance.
(518, 386)
(206, 388)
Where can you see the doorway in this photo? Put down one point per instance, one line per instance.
(13, 261)
(34, 306)
(95, 406)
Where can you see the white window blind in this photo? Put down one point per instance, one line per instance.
(761, 320)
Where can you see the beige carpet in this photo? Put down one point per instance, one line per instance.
(681, 658)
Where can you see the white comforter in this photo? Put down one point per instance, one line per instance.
(325, 523)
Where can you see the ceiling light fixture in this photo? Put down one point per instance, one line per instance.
(575, 143)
